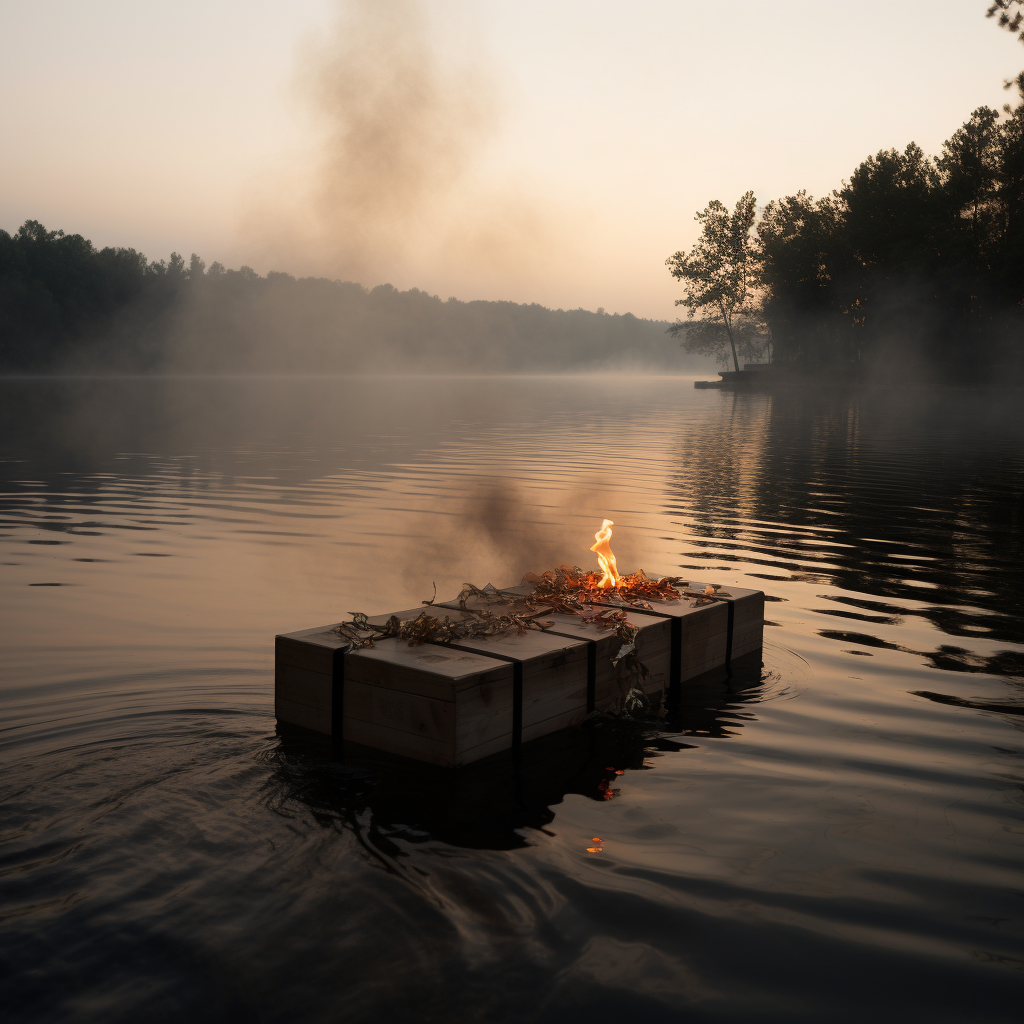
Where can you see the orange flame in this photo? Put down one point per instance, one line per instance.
(610, 577)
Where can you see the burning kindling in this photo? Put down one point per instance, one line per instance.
(605, 558)
(567, 590)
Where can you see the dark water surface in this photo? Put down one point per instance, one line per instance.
(843, 839)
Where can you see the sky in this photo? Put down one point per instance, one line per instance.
(551, 152)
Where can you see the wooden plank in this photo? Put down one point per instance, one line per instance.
(431, 670)
(403, 712)
(480, 686)
(402, 689)
(744, 643)
(703, 631)
(299, 714)
(655, 647)
(299, 685)
(703, 628)
(311, 649)
(747, 607)
(484, 716)
(495, 745)
(565, 720)
(699, 618)
(405, 744)
(748, 604)
(325, 636)
(702, 657)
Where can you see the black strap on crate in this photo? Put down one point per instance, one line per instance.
(728, 639)
(675, 660)
(517, 706)
(591, 675)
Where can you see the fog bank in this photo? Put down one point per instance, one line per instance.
(68, 307)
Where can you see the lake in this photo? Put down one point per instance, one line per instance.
(840, 837)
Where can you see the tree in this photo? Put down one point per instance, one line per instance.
(969, 167)
(805, 273)
(1012, 23)
(719, 275)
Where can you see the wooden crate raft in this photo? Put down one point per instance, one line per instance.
(456, 703)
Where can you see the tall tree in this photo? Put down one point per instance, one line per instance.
(718, 275)
(805, 274)
(969, 167)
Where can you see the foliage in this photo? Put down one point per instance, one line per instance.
(719, 277)
(57, 288)
(1012, 21)
(914, 262)
(427, 628)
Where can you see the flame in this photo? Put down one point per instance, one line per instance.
(610, 577)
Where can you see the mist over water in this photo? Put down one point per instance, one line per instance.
(842, 836)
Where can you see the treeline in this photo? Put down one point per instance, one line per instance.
(915, 262)
(67, 306)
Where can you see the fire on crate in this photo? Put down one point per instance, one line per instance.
(490, 612)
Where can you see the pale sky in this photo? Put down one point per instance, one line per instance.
(559, 156)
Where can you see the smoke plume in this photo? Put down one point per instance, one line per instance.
(395, 188)
(399, 127)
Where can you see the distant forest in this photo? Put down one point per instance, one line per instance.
(66, 306)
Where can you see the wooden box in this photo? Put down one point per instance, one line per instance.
(428, 702)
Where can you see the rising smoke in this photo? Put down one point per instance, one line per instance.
(404, 110)
(400, 129)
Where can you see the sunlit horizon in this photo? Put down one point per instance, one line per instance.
(565, 148)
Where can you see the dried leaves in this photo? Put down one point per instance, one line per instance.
(567, 590)
(427, 628)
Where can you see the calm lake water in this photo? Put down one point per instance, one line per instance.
(842, 838)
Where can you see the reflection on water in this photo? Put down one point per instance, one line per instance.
(488, 805)
(840, 832)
